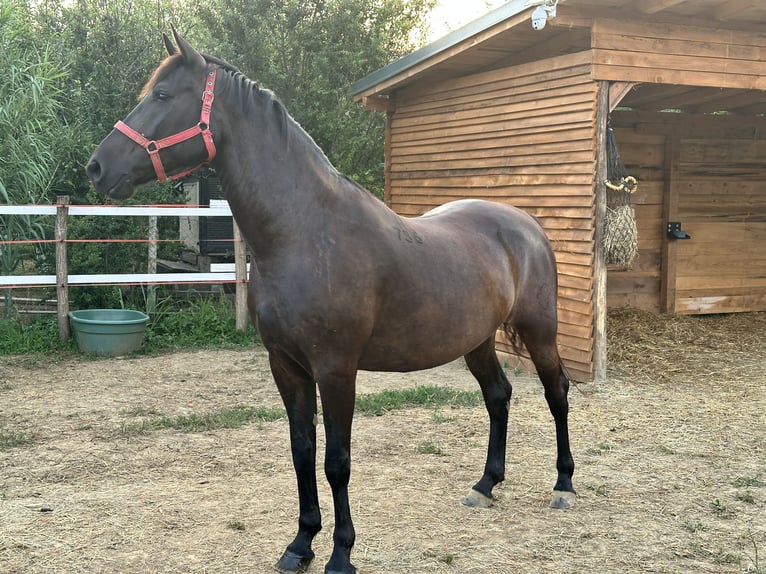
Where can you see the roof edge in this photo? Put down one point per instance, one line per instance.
(455, 37)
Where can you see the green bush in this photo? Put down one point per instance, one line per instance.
(195, 323)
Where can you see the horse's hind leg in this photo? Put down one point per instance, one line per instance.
(484, 365)
(539, 336)
(298, 392)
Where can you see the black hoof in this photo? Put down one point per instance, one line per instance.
(292, 563)
(350, 570)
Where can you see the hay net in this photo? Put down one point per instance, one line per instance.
(620, 238)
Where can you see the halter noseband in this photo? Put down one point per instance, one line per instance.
(202, 128)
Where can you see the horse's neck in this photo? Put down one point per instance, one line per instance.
(275, 178)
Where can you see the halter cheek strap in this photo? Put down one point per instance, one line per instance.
(202, 128)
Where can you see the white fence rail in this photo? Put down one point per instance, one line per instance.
(62, 280)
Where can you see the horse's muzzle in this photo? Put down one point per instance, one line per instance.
(119, 187)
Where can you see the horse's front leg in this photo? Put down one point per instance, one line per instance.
(337, 392)
(298, 392)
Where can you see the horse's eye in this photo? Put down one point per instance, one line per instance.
(161, 96)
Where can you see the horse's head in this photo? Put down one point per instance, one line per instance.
(168, 132)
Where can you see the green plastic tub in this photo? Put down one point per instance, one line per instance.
(108, 332)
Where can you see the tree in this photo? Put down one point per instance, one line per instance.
(309, 52)
(33, 135)
(112, 46)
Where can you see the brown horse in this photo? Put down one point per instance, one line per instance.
(339, 282)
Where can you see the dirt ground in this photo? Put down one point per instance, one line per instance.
(671, 467)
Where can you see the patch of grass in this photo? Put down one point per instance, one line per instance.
(422, 396)
(440, 418)
(748, 482)
(237, 525)
(600, 490)
(746, 497)
(448, 558)
(598, 450)
(430, 448)
(662, 449)
(724, 558)
(227, 418)
(10, 439)
(694, 527)
(720, 509)
(140, 412)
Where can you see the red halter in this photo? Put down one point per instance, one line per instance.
(202, 128)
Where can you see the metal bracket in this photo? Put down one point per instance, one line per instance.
(674, 231)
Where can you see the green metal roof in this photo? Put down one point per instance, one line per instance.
(453, 38)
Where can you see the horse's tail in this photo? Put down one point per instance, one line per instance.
(513, 337)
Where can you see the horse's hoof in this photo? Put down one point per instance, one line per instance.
(292, 563)
(476, 499)
(563, 499)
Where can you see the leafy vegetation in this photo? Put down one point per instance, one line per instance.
(194, 323)
(9, 439)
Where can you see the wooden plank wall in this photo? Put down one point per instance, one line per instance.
(722, 204)
(718, 192)
(660, 53)
(522, 135)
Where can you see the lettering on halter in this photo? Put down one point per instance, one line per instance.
(202, 128)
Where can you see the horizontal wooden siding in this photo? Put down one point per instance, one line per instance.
(521, 135)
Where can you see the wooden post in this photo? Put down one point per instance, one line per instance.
(599, 264)
(62, 272)
(668, 263)
(387, 146)
(151, 297)
(240, 275)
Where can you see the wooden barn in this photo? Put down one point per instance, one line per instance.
(514, 108)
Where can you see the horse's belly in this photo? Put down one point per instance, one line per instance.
(425, 341)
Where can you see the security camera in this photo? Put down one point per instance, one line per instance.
(544, 9)
(539, 18)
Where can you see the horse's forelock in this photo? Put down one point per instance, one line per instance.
(168, 65)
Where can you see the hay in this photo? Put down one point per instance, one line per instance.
(686, 346)
(620, 244)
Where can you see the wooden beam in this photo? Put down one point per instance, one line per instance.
(570, 21)
(654, 6)
(733, 8)
(599, 264)
(617, 91)
(669, 249)
(377, 103)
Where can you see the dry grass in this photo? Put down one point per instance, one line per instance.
(671, 456)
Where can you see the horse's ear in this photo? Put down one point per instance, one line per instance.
(188, 52)
(169, 45)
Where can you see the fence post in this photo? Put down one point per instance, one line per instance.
(151, 297)
(240, 275)
(62, 273)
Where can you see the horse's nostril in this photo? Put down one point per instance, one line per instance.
(93, 169)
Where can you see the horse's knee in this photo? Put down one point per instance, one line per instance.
(337, 469)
